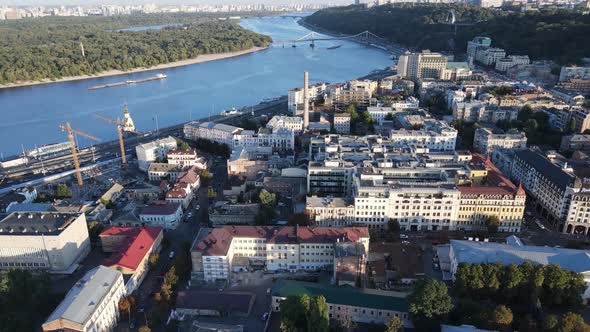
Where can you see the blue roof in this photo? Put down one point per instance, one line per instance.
(473, 252)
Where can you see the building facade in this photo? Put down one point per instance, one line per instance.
(485, 141)
(153, 151)
(47, 241)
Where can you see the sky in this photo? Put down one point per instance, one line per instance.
(158, 2)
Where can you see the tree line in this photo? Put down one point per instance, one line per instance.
(560, 35)
(49, 48)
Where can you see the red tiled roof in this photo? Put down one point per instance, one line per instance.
(497, 183)
(134, 248)
(218, 241)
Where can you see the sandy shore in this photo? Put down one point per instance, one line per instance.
(187, 62)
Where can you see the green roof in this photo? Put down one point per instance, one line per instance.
(344, 295)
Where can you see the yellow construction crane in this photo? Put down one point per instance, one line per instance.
(67, 128)
(119, 125)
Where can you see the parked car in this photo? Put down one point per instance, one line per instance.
(265, 316)
(198, 207)
(171, 255)
(403, 236)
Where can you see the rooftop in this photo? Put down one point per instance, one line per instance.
(489, 252)
(132, 250)
(36, 223)
(85, 296)
(337, 202)
(231, 302)
(344, 295)
(553, 172)
(217, 243)
(160, 208)
(163, 167)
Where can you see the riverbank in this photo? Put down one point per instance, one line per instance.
(187, 62)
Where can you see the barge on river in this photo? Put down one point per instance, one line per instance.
(147, 79)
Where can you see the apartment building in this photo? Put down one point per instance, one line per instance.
(159, 171)
(279, 139)
(248, 162)
(477, 44)
(295, 97)
(293, 123)
(567, 73)
(130, 249)
(342, 123)
(499, 198)
(581, 119)
(456, 71)
(278, 248)
(435, 135)
(551, 185)
(485, 140)
(331, 177)
(490, 56)
(148, 153)
(353, 92)
(217, 132)
(330, 211)
(161, 214)
(50, 241)
(419, 66)
(92, 304)
(510, 61)
(186, 158)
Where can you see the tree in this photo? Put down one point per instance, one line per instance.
(318, 316)
(205, 177)
(500, 318)
(293, 311)
(388, 117)
(127, 304)
(345, 323)
(267, 198)
(429, 301)
(393, 229)
(144, 329)
(571, 127)
(185, 146)
(171, 278)
(62, 191)
(525, 113)
(532, 125)
(571, 322)
(153, 260)
(492, 223)
(550, 323)
(94, 230)
(394, 325)
(248, 124)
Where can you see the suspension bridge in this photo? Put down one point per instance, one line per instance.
(366, 37)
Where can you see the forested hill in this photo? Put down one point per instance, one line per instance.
(37, 49)
(559, 35)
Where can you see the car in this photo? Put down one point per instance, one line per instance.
(405, 242)
(132, 324)
(221, 289)
(403, 236)
(171, 255)
(268, 291)
(198, 207)
(265, 316)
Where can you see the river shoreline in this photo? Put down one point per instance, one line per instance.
(114, 72)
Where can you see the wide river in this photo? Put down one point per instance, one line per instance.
(30, 115)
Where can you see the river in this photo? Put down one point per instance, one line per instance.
(31, 115)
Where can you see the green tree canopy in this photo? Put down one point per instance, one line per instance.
(430, 300)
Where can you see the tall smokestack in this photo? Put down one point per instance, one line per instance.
(305, 101)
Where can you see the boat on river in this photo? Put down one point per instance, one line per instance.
(334, 47)
(129, 82)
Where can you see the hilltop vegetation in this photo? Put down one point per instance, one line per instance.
(559, 35)
(36, 49)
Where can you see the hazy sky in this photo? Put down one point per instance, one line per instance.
(158, 2)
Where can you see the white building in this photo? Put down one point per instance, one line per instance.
(159, 171)
(423, 65)
(435, 135)
(217, 132)
(510, 61)
(279, 139)
(293, 123)
(161, 214)
(148, 153)
(91, 305)
(331, 177)
(485, 141)
(330, 211)
(186, 158)
(490, 56)
(43, 241)
(477, 44)
(279, 248)
(295, 96)
(342, 123)
(568, 73)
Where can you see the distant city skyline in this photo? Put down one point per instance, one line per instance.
(160, 3)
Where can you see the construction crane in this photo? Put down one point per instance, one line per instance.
(68, 128)
(119, 125)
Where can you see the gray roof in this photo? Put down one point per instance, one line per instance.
(29, 207)
(36, 223)
(473, 252)
(219, 126)
(553, 172)
(85, 296)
